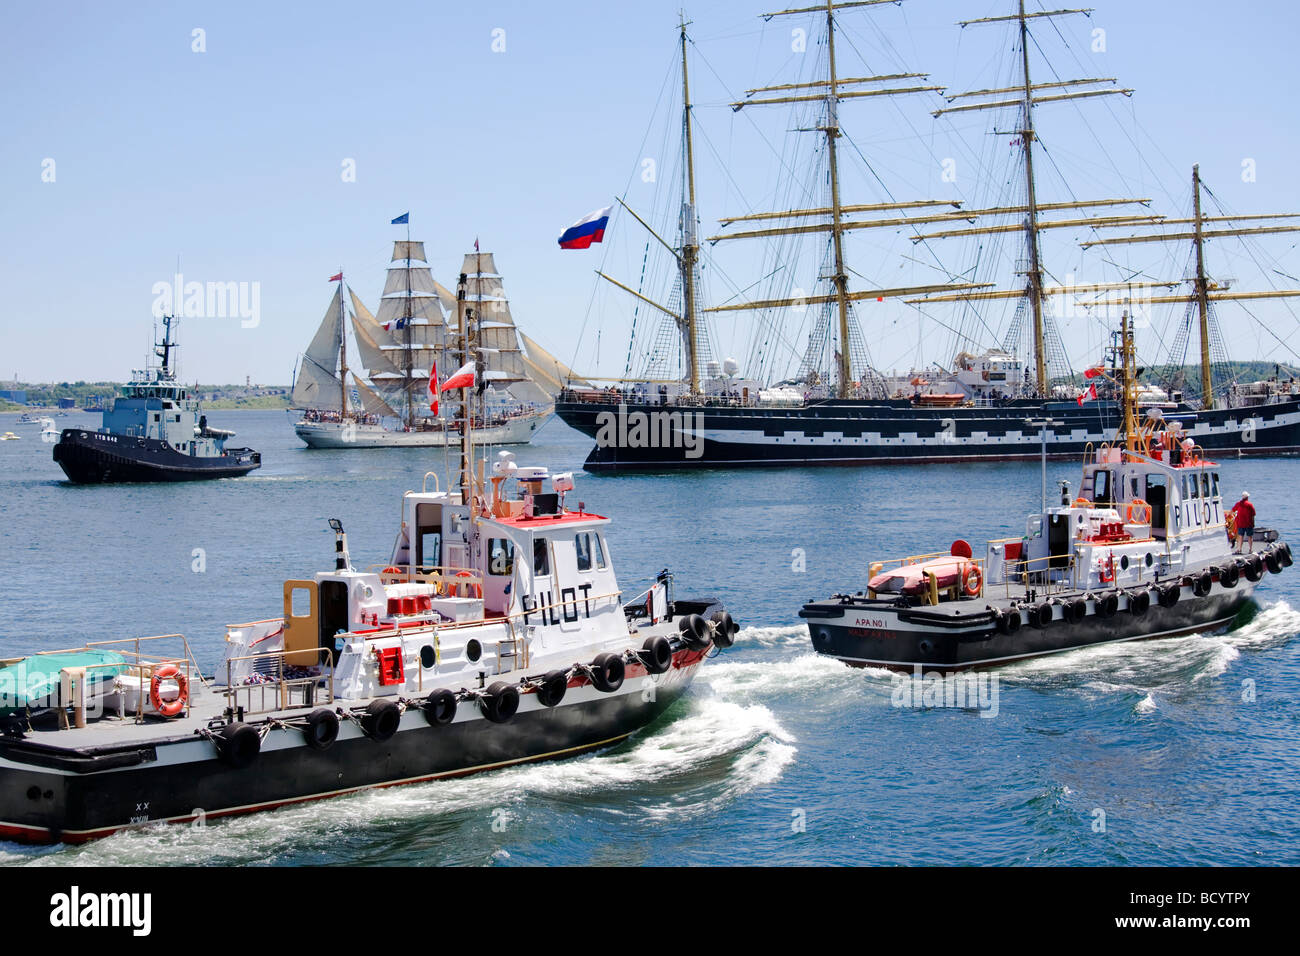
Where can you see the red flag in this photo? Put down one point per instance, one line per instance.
(1094, 371)
(1089, 394)
(337, 278)
(433, 389)
(463, 377)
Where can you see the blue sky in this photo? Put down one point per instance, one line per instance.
(231, 159)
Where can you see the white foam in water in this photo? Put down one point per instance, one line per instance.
(715, 724)
(785, 636)
(1137, 665)
(1147, 705)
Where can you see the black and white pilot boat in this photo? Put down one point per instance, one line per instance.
(497, 633)
(1142, 552)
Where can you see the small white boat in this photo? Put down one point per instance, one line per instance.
(10, 436)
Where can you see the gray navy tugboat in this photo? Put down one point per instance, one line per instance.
(496, 633)
(1143, 552)
(154, 432)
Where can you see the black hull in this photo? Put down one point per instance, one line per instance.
(88, 457)
(839, 432)
(872, 634)
(148, 784)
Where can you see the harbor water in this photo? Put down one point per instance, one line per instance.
(1176, 752)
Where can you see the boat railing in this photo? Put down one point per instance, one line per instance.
(72, 680)
(1049, 574)
(444, 578)
(292, 686)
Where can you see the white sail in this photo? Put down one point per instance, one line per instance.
(318, 385)
(396, 307)
(476, 262)
(324, 348)
(414, 279)
(546, 370)
(372, 402)
(317, 388)
(374, 358)
(486, 286)
(408, 249)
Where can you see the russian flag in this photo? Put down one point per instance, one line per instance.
(463, 377)
(586, 231)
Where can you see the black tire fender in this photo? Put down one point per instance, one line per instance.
(321, 729)
(381, 719)
(656, 654)
(239, 744)
(551, 690)
(694, 631)
(1139, 602)
(724, 630)
(439, 707)
(607, 670)
(500, 702)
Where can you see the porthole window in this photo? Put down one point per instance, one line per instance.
(1150, 559)
(428, 656)
(473, 651)
(1123, 563)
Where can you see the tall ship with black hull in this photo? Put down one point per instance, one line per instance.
(496, 633)
(992, 402)
(1143, 551)
(155, 431)
(399, 351)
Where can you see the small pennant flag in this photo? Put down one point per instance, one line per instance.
(402, 220)
(433, 390)
(337, 278)
(1094, 371)
(463, 377)
(586, 231)
(1089, 394)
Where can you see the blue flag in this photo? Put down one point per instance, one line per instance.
(402, 220)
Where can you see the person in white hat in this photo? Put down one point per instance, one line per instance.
(1244, 512)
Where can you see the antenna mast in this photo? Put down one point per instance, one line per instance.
(690, 242)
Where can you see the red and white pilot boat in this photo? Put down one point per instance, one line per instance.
(1142, 552)
(497, 633)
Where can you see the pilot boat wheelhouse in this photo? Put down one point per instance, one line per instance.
(154, 432)
(1143, 551)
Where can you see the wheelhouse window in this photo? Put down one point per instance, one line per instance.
(1205, 484)
(582, 546)
(541, 558)
(599, 547)
(501, 557)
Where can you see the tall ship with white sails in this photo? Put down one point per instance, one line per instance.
(418, 329)
(1011, 384)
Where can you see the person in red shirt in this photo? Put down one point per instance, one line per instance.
(1244, 512)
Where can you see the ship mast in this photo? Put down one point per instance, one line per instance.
(831, 91)
(1202, 292)
(690, 241)
(164, 349)
(1035, 291)
(1204, 289)
(841, 278)
(1028, 95)
(410, 361)
(343, 353)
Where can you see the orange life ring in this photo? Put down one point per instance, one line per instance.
(392, 569)
(174, 707)
(1140, 507)
(1082, 503)
(474, 588)
(973, 581)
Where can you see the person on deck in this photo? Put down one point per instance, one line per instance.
(1244, 512)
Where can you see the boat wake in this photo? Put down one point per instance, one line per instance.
(1149, 667)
